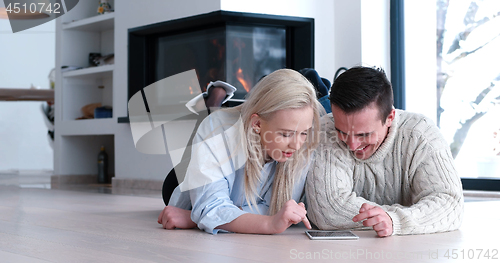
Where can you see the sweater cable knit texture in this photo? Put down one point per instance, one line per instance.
(411, 176)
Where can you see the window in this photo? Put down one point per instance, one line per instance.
(468, 87)
(461, 41)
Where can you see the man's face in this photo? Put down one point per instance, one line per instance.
(363, 131)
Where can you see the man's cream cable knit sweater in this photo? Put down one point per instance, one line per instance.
(411, 176)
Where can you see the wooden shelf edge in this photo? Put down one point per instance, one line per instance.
(13, 94)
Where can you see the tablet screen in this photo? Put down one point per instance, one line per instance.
(318, 234)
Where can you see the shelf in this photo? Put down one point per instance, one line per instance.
(26, 94)
(95, 23)
(78, 154)
(90, 72)
(103, 126)
(79, 33)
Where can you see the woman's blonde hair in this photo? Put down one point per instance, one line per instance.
(283, 89)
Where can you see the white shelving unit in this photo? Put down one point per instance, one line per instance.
(97, 23)
(77, 141)
(92, 72)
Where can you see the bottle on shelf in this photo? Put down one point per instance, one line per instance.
(102, 167)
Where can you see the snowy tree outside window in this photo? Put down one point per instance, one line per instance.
(468, 83)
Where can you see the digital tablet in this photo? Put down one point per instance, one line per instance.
(331, 235)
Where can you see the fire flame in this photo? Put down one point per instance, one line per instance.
(239, 76)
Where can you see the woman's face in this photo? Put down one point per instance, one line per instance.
(284, 132)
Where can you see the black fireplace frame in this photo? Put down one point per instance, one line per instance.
(299, 41)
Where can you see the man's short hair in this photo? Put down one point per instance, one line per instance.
(358, 87)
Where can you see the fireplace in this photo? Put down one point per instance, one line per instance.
(239, 55)
(239, 48)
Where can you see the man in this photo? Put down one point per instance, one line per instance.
(381, 168)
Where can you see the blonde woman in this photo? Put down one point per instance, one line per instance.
(249, 163)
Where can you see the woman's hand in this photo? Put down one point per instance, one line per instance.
(290, 213)
(173, 217)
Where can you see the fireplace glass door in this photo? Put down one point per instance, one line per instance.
(239, 55)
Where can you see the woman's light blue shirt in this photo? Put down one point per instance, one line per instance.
(214, 187)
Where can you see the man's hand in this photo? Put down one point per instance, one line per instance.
(290, 213)
(173, 217)
(376, 217)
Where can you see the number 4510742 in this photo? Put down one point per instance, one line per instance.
(33, 8)
(471, 254)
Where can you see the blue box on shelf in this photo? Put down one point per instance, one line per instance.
(103, 112)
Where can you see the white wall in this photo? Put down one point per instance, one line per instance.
(362, 36)
(347, 38)
(375, 34)
(26, 58)
(420, 52)
(320, 10)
